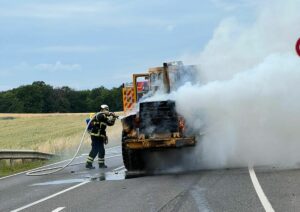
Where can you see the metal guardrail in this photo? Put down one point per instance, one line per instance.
(24, 154)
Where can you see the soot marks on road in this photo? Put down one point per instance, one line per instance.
(118, 175)
(157, 172)
(102, 176)
(107, 176)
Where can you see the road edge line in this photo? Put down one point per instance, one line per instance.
(259, 191)
(49, 197)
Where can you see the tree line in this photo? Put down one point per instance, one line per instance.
(42, 98)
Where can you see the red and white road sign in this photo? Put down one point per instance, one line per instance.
(298, 47)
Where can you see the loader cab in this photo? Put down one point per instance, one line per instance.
(157, 80)
(171, 76)
(141, 86)
(161, 80)
(147, 84)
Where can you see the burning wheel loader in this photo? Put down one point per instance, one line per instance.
(153, 125)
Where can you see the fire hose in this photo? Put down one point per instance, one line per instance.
(47, 171)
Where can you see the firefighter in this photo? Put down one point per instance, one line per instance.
(98, 136)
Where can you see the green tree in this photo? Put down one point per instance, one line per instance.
(42, 98)
(36, 98)
(9, 103)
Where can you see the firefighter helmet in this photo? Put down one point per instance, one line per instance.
(104, 107)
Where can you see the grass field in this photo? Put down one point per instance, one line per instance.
(51, 133)
(46, 133)
(18, 167)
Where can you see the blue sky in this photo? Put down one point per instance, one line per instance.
(86, 44)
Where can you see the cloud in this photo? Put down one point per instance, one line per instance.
(56, 10)
(5, 73)
(229, 6)
(170, 28)
(106, 13)
(70, 49)
(5, 87)
(57, 67)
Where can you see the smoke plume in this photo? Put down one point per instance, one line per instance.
(254, 117)
(246, 109)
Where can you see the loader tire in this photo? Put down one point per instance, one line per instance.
(132, 158)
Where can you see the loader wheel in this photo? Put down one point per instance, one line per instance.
(132, 158)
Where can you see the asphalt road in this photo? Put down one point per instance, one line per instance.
(78, 189)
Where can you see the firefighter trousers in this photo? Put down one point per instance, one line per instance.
(97, 149)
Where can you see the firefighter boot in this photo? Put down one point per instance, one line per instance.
(102, 166)
(101, 163)
(89, 165)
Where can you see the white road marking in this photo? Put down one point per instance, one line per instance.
(113, 156)
(58, 209)
(2, 178)
(114, 147)
(49, 197)
(198, 195)
(58, 193)
(84, 154)
(123, 170)
(262, 197)
(119, 168)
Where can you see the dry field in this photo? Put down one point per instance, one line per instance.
(59, 134)
(51, 133)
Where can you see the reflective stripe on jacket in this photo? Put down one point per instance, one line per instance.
(99, 123)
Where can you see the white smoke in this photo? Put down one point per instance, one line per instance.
(254, 117)
(248, 109)
(237, 46)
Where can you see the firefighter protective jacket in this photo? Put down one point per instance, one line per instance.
(99, 124)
